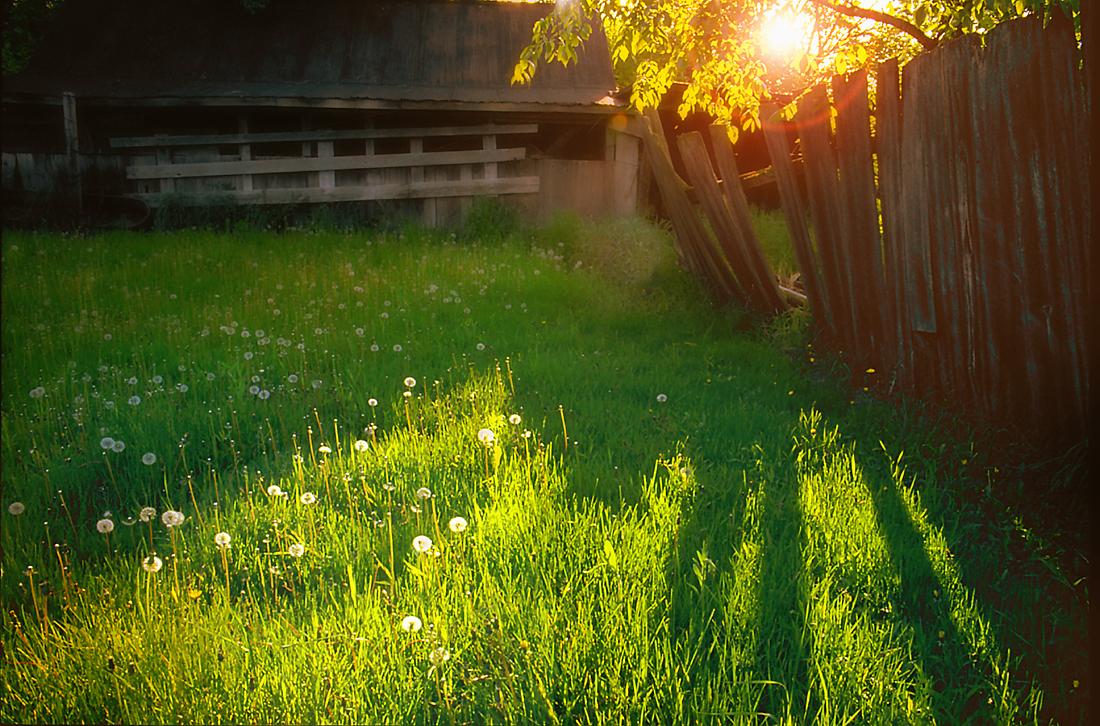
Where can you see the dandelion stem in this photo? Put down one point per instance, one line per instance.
(565, 431)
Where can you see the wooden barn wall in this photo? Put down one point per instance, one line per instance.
(580, 164)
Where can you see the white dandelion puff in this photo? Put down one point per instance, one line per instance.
(105, 526)
(38, 392)
(119, 446)
(661, 398)
(172, 518)
(422, 543)
(147, 514)
(106, 443)
(439, 656)
(514, 419)
(361, 446)
(411, 624)
(457, 524)
(308, 498)
(148, 458)
(324, 449)
(16, 508)
(274, 490)
(486, 437)
(222, 539)
(296, 549)
(152, 564)
(423, 493)
(372, 402)
(410, 382)
(134, 400)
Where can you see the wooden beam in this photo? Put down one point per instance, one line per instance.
(72, 148)
(329, 163)
(138, 142)
(422, 190)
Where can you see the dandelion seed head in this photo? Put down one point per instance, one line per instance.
(222, 539)
(105, 526)
(457, 524)
(152, 564)
(661, 398)
(439, 656)
(372, 402)
(361, 446)
(296, 550)
(118, 447)
(16, 508)
(172, 518)
(324, 449)
(106, 443)
(308, 498)
(147, 514)
(423, 493)
(148, 458)
(411, 624)
(422, 543)
(410, 382)
(486, 437)
(514, 419)
(38, 392)
(274, 490)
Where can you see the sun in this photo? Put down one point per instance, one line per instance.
(786, 34)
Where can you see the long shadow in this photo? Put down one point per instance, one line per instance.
(777, 633)
(962, 676)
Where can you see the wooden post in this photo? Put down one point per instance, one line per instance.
(245, 152)
(72, 148)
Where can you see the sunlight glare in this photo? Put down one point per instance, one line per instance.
(785, 33)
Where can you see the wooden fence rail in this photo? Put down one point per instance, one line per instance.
(259, 168)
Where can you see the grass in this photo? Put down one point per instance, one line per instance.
(673, 522)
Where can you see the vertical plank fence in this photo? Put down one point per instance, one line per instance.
(951, 244)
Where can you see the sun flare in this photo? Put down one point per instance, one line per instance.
(785, 34)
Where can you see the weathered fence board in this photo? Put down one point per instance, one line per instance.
(320, 135)
(979, 277)
(860, 222)
(897, 357)
(734, 191)
(793, 206)
(699, 251)
(731, 238)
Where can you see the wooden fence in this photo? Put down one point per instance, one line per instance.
(342, 165)
(950, 224)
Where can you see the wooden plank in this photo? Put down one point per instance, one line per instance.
(137, 142)
(1066, 170)
(735, 197)
(794, 214)
(422, 190)
(919, 302)
(331, 163)
(896, 327)
(245, 183)
(813, 128)
(863, 253)
(697, 165)
(489, 143)
(694, 242)
(72, 149)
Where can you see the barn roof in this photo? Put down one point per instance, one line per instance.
(324, 50)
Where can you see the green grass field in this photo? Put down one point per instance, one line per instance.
(528, 477)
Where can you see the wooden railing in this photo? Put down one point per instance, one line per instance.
(159, 166)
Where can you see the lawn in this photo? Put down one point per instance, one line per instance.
(499, 475)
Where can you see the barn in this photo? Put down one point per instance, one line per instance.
(401, 102)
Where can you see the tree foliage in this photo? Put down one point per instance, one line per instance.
(720, 48)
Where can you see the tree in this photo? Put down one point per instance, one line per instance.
(733, 54)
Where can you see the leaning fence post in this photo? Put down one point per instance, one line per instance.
(72, 150)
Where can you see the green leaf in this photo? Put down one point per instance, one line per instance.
(612, 556)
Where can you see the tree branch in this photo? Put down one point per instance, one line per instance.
(857, 12)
